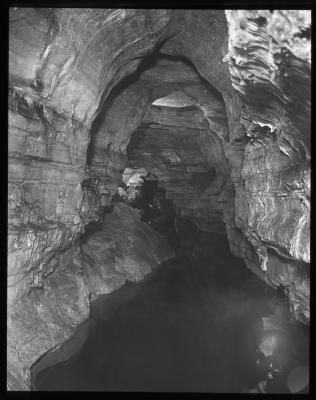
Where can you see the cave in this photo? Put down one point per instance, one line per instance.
(159, 200)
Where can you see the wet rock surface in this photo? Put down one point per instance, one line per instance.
(195, 325)
(272, 205)
(124, 249)
(216, 103)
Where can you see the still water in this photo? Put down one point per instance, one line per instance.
(194, 326)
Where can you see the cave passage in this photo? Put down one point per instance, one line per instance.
(195, 325)
(201, 322)
(159, 200)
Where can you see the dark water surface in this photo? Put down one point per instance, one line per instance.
(194, 325)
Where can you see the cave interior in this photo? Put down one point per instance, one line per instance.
(174, 282)
(163, 147)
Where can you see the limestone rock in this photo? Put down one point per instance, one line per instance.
(235, 158)
(125, 249)
(268, 52)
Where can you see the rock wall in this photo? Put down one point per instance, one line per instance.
(70, 123)
(177, 136)
(121, 249)
(269, 61)
(62, 65)
(188, 159)
(59, 71)
(124, 249)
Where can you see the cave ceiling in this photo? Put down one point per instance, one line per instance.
(214, 103)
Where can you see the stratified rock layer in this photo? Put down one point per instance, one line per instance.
(70, 122)
(63, 63)
(173, 147)
(123, 249)
(269, 61)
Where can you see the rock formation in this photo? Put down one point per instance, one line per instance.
(215, 103)
(269, 58)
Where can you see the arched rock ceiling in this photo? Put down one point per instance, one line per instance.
(63, 64)
(69, 58)
(180, 145)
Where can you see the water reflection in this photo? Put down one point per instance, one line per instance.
(201, 323)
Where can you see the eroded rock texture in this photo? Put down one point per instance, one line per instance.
(269, 59)
(221, 116)
(63, 63)
(180, 141)
(124, 248)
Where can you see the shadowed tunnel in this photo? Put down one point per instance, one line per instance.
(198, 323)
(159, 199)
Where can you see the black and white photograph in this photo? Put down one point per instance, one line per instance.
(159, 179)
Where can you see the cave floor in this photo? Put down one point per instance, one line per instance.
(194, 326)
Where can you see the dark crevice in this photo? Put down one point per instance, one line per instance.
(261, 21)
(136, 139)
(301, 266)
(156, 210)
(304, 33)
(145, 63)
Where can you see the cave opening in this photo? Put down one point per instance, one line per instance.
(201, 321)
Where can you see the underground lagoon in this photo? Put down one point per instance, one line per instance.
(159, 200)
